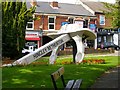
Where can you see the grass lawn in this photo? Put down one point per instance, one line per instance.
(38, 76)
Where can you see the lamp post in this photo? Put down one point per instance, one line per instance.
(41, 34)
(41, 30)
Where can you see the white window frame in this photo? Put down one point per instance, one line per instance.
(32, 22)
(51, 23)
(32, 26)
(102, 19)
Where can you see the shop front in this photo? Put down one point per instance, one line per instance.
(105, 38)
(32, 39)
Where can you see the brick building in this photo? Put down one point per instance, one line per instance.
(52, 15)
(104, 26)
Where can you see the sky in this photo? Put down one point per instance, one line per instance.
(73, 1)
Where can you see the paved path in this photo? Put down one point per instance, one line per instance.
(117, 53)
(108, 80)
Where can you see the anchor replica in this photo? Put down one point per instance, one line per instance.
(66, 33)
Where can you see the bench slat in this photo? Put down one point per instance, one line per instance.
(55, 75)
(69, 85)
(77, 84)
(61, 71)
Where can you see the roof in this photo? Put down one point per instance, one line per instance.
(95, 6)
(64, 9)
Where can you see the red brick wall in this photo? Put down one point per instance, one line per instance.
(107, 22)
(92, 21)
(45, 26)
(58, 21)
(38, 22)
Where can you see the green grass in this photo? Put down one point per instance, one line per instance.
(38, 76)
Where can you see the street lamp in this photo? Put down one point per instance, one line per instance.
(41, 30)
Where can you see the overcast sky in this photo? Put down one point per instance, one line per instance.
(73, 1)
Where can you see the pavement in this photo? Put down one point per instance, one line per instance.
(110, 79)
(116, 53)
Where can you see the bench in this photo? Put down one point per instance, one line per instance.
(71, 85)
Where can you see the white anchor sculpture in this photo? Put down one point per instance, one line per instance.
(66, 33)
(75, 32)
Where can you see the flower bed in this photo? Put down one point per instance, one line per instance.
(66, 62)
(7, 61)
(63, 62)
(89, 61)
(94, 61)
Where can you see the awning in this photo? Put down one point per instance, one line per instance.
(35, 39)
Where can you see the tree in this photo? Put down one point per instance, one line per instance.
(15, 16)
(0, 31)
(114, 13)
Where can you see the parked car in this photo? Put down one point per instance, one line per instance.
(28, 49)
(107, 45)
(116, 47)
(115, 41)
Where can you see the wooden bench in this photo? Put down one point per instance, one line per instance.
(71, 85)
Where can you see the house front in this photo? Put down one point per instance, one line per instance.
(51, 16)
(103, 23)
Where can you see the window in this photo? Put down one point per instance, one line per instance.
(51, 20)
(85, 24)
(102, 20)
(99, 39)
(51, 26)
(29, 26)
(51, 23)
(105, 39)
(71, 20)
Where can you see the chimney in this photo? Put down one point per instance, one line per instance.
(54, 4)
(33, 2)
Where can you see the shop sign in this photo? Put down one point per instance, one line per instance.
(63, 23)
(79, 23)
(31, 35)
(92, 27)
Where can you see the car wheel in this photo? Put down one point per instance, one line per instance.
(117, 48)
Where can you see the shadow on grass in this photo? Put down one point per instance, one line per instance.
(38, 76)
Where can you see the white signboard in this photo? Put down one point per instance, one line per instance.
(79, 23)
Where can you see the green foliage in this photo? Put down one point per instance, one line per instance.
(114, 13)
(38, 76)
(14, 19)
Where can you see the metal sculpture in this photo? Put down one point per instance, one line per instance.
(66, 33)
